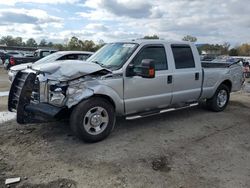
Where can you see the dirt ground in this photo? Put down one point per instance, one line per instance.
(4, 83)
(182, 149)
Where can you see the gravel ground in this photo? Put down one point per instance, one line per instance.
(182, 149)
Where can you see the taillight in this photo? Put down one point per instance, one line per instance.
(12, 61)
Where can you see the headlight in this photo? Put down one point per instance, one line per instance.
(57, 95)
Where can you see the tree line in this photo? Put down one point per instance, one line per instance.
(88, 45)
(73, 44)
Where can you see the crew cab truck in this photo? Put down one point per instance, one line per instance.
(134, 79)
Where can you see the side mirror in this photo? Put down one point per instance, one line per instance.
(145, 70)
(130, 70)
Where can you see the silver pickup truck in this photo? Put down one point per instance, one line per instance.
(134, 79)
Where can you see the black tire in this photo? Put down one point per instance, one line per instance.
(212, 103)
(79, 115)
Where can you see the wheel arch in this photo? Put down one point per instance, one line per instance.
(108, 98)
(227, 83)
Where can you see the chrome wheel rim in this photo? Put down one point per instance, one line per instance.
(222, 98)
(96, 120)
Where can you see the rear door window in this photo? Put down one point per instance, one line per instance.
(183, 56)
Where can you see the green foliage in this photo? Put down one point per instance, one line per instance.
(87, 45)
(43, 43)
(73, 44)
(31, 43)
(233, 52)
(244, 50)
(59, 47)
(151, 37)
(19, 41)
(10, 41)
(189, 38)
(222, 49)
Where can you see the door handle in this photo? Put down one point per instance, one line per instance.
(170, 79)
(197, 76)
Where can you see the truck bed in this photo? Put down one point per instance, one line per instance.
(207, 64)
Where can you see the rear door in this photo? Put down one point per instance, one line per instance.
(187, 76)
(143, 94)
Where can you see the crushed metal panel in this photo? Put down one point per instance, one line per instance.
(68, 70)
(76, 93)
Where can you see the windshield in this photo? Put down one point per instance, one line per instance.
(113, 55)
(49, 58)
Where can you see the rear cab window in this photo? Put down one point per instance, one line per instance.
(183, 56)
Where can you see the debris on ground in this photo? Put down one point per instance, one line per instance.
(6, 116)
(161, 164)
(4, 93)
(12, 180)
(59, 183)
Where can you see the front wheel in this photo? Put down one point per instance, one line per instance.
(220, 99)
(92, 120)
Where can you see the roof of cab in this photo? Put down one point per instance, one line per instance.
(154, 41)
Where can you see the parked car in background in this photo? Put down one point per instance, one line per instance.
(134, 79)
(246, 69)
(29, 54)
(61, 55)
(16, 60)
(4, 57)
(207, 58)
(15, 54)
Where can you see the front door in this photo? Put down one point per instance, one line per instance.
(144, 94)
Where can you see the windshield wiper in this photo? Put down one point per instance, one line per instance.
(96, 62)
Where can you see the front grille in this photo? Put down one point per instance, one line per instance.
(21, 93)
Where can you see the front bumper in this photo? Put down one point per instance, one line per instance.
(44, 112)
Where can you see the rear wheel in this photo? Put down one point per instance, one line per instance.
(220, 99)
(93, 120)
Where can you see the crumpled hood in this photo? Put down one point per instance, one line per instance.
(20, 67)
(68, 69)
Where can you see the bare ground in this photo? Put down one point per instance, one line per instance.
(4, 83)
(183, 149)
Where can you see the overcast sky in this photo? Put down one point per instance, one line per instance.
(212, 21)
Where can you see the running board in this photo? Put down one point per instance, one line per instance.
(142, 115)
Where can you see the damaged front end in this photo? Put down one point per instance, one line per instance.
(26, 100)
(36, 97)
